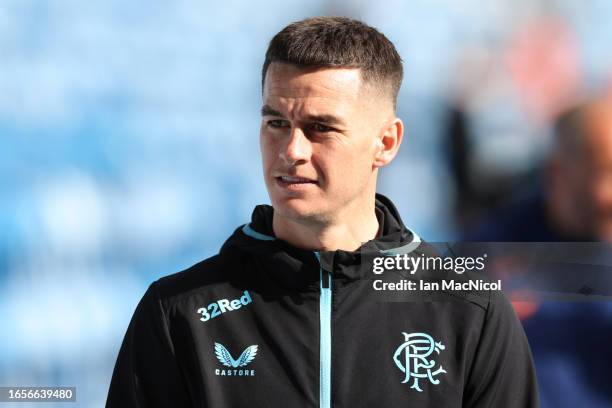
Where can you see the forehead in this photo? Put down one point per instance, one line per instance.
(289, 83)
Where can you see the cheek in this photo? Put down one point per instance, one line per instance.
(602, 194)
(345, 167)
(364, 160)
(267, 151)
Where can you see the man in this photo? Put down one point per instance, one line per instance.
(579, 202)
(285, 315)
(574, 201)
(573, 204)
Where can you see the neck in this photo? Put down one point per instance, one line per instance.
(346, 232)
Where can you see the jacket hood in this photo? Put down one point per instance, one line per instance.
(257, 238)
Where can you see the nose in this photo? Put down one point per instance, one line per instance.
(298, 148)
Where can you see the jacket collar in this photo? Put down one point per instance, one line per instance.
(297, 267)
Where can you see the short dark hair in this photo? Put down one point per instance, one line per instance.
(338, 42)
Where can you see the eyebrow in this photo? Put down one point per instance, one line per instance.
(267, 110)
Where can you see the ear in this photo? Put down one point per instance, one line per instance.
(388, 143)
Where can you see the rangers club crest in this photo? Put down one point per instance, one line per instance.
(414, 358)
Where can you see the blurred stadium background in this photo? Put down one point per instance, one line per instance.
(129, 145)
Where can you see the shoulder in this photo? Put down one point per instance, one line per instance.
(456, 280)
(208, 274)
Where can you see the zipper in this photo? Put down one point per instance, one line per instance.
(325, 308)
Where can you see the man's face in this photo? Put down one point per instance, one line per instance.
(598, 181)
(585, 178)
(319, 138)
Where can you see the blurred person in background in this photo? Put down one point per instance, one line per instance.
(574, 200)
(579, 174)
(285, 315)
(570, 341)
(501, 102)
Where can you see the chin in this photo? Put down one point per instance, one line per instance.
(296, 209)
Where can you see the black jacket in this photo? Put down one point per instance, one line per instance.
(264, 324)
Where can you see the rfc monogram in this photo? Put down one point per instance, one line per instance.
(412, 358)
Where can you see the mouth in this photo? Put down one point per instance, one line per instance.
(294, 182)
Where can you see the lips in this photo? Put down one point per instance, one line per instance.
(295, 180)
(295, 184)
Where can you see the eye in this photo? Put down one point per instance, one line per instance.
(320, 128)
(278, 123)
